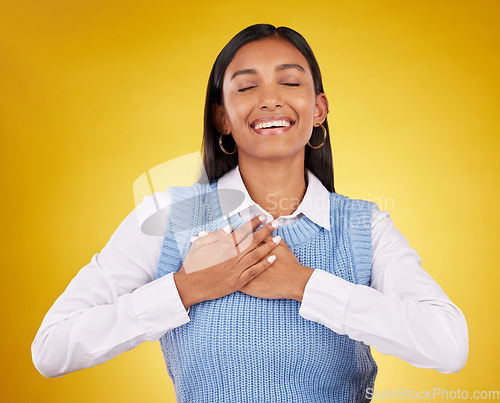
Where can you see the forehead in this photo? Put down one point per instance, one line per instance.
(266, 53)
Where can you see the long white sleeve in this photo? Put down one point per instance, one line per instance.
(404, 313)
(112, 305)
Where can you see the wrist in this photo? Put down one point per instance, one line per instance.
(186, 289)
(303, 274)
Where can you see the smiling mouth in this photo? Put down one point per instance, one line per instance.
(272, 124)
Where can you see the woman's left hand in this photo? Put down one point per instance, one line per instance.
(285, 278)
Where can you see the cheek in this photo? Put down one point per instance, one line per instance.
(238, 112)
(305, 107)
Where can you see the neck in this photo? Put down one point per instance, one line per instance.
(278, 186)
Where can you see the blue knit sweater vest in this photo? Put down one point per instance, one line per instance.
(245, 349)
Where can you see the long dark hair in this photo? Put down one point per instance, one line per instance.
(217, 163)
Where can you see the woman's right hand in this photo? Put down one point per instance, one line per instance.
(221, 262)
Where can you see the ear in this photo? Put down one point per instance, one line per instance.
(321, 108)
(219, 117)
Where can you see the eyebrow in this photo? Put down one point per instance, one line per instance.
(290, 66)
(246, 71)
(281, 67)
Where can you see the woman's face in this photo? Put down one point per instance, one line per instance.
(270, 105)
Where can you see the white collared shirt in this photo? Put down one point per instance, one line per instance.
(404, 312)
(315, 204)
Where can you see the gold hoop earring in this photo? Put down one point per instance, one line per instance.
(324, 138)
(222, 147)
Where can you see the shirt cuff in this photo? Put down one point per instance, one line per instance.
(325, 300)
(159, 307)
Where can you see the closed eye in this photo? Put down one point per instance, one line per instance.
(291, 84)
(247, 88)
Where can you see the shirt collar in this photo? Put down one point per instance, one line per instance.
(315, 205)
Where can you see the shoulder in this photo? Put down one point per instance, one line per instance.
(352, 204)
(176, 193)
(366, 208)
(162, 200)
(153, 212)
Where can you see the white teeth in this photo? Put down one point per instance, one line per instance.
(276, 123)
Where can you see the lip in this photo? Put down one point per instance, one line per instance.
(273, 131)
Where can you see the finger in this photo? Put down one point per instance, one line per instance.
(256, 269)
(257, 254)
(249, 227)
(267, 239)
(200, 234)
(255, 238)
(207, 237)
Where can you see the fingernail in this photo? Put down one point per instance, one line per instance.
(277, 239)
(276, 223)
(227, 229)
(203, 233)
(263, 217)
(271, 259)
(194, 238)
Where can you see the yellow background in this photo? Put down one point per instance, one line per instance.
(94, 93)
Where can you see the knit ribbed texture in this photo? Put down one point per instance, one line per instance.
(245, 349)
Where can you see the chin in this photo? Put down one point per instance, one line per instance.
(276, 153)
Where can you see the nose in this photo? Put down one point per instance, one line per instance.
(270, 98)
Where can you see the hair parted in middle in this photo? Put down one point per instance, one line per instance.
(216, 162)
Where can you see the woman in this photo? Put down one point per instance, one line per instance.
(279, 298)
